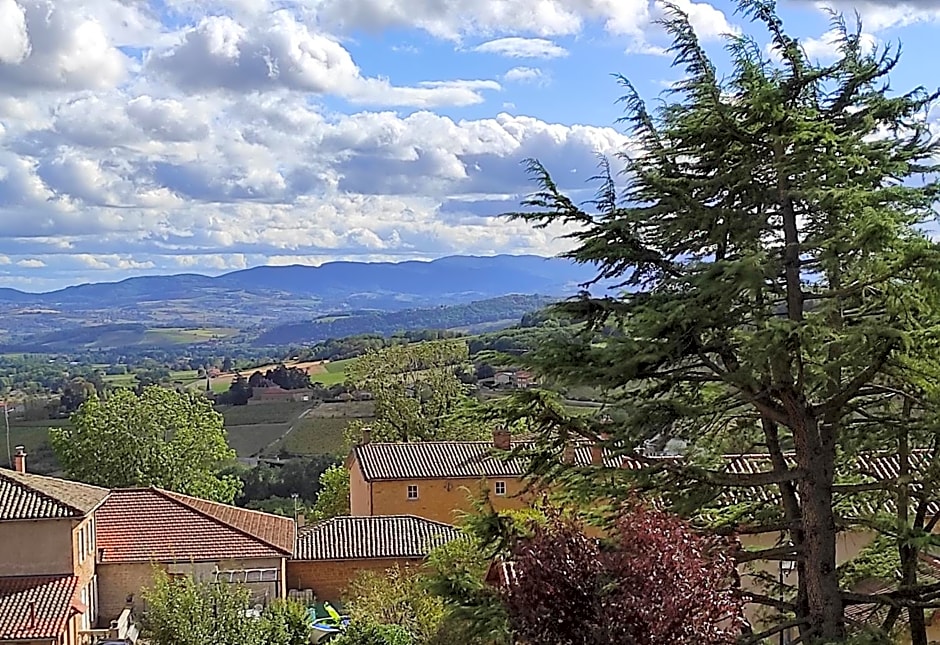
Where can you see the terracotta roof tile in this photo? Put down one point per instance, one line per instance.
(276, 530)
(144, 525)
(24, 496)
(35, 607)
(377, 536)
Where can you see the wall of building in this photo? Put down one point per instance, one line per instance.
(440, 500)
(329, 578)
(848, 546)
(36, 547)
(360, 502)
(118, 581)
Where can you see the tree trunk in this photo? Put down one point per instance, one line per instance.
(792, 514)
(823, 596)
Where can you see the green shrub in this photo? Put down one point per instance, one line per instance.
(369, 633)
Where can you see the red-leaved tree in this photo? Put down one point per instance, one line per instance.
(653, 581)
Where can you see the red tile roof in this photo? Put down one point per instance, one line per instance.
(36, 607)
(275, 530)
(153, 525)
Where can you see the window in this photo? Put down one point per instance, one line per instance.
(412, 491)
(81, 544)
(500, 488)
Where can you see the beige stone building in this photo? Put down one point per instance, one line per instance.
(330, 554)
(438, 479)
(143, 529)
(49, 588)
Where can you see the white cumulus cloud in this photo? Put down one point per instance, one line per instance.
(281, 52)
(516, 47)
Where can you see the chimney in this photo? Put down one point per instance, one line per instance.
(301, 520)
(597, 447)
(366, 436)
(567, 455)
(597, 454)
(19, 460)
(502, 438)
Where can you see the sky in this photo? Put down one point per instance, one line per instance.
(174, 136)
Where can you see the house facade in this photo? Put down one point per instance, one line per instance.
(437, 480)
(330, 554)
(49, 588)
(143, 529)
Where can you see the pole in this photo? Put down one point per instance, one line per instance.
(6, 417)
(782, 598)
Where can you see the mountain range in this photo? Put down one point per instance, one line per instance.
(264, 297)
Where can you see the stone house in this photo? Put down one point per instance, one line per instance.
(48, 580)
(140, 529)
(328, 555)
(437, 479)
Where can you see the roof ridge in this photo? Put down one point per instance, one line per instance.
(367, 518)
(176, 497)
(4, 473)
(424, 443)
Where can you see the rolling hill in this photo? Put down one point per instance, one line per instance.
(274, 301)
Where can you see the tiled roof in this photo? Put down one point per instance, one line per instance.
(24, 496)
(35, 607)
(153, 525)
(439, 459)
(275, 530)
(474, 459)
(377, 536)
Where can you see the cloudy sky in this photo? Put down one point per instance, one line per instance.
(168, 136)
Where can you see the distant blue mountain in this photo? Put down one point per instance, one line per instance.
(350, 284)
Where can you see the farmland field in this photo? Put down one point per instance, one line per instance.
(249, 440)
(334, 373)
(320, 432)
(318, 436)
(314, 368)
(262, 413)
(186, 377)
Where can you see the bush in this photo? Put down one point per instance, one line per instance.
(369, 633)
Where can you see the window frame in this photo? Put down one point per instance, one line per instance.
(497, 486)
(412, 488)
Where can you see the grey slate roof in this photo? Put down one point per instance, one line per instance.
(24, 496)
(376, 536)
(442, 459)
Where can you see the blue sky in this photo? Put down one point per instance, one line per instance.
(211, 135)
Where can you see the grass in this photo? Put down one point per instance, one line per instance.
(120, 380)
(339, 366)
(348, 410)
(262, 413)
(335, 372)
(34, 437)
(185, 377)
(251, 439)
(184, 336)
(317, 436)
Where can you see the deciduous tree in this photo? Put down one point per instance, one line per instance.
(418, 396)
(165, 438)
(333, 497)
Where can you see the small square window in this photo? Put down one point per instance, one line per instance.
(412, 492)
(500, 488)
